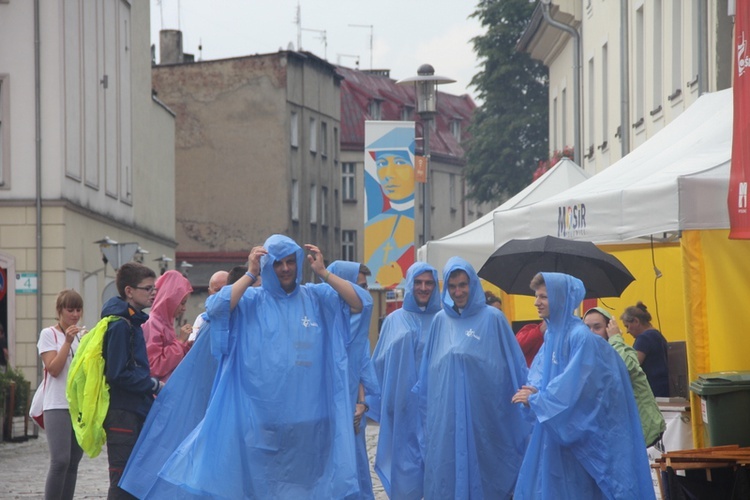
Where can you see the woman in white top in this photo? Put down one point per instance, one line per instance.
(57, 345)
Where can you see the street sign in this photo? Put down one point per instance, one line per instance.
(26, 283)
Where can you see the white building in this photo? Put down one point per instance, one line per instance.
(641, 63)
(85, 152)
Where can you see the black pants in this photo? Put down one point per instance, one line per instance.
(123, 428)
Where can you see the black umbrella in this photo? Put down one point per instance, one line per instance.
(513, 264)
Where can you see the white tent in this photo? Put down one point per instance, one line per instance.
(474, 242)
(677, 180)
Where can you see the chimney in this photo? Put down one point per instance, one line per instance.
(170, 47)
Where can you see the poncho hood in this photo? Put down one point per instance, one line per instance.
(279, 246)
(173, 287)
(476, 302)
(345, 269)
(410, 302)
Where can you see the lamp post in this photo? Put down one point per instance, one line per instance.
(425, 86)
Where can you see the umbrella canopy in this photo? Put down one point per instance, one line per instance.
(514, 264)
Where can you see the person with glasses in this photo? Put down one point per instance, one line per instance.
(165, 349)
(126, 368)
(396, 359)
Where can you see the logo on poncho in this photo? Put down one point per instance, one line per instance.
(307, 322)
(471, 333)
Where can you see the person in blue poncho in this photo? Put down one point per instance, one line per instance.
(396, 359)
(361, 375)
(587, 440)
(279, 421)
(474, 438)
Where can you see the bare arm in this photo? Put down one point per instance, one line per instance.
(343, 287)
(54, 361)
(641, 356)
(241, 285)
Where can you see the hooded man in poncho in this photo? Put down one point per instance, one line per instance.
(279, 423)
(474, 439)
(361, 375)
(396, 359)
(587, 440)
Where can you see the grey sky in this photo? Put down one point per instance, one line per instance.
(402, 41)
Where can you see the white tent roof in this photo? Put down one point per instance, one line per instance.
(676, 180)
(474, 242)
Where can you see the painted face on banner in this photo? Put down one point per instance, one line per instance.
(396, 174)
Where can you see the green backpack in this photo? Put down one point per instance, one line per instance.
(87, 389)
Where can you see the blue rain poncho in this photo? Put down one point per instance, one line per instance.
(474, 438)
(397, 355)
(279, 423)
(178, 409)
(360, 369)
(587, 440)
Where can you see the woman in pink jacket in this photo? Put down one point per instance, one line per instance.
(165, 349)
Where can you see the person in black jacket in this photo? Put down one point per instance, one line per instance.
(131, 388)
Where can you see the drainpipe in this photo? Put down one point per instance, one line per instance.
(576, 77)
(38, 139)
(624, 81)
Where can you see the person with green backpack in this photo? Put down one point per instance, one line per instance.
(126, 368)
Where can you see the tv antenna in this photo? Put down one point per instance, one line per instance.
(354, 56)
(371, 27)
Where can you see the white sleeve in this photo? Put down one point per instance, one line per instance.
(47, 341)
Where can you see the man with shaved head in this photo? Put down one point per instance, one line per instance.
(217, 282)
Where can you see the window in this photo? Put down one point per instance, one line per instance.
(324, 206)
(452, 193)
(676, 50)
(4, 132)
(640, 78)
(456, 129)
(324, 138)
(313, 204)
(564, 118)
(407, 113)
(348, 181)
(657, 61)
(555, 144)
(376, 109)
(313, 135)
(335, 143)
(295, 200)
(294, 129)
(591, 111)
(349, 245)
(605, 96)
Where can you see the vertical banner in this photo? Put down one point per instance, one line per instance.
(739, 219)
(389, 201)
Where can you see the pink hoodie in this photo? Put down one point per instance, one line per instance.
(165, 351)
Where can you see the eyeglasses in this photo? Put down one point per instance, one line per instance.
(363, 285)
(147, 289)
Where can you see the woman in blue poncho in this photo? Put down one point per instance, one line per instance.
(587, 440)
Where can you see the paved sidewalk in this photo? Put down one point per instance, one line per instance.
(23, 469)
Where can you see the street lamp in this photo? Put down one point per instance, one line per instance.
(425, 86)
(163, 263)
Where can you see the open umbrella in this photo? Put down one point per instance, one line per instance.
(513, 264)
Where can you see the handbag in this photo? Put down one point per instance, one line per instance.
(36, 411)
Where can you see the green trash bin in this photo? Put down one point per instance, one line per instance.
(725, 406)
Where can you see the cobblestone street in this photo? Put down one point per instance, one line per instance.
(23, 469)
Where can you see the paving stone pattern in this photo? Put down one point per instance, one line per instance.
(23, 469)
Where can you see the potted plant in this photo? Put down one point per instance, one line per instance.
(14, 389)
